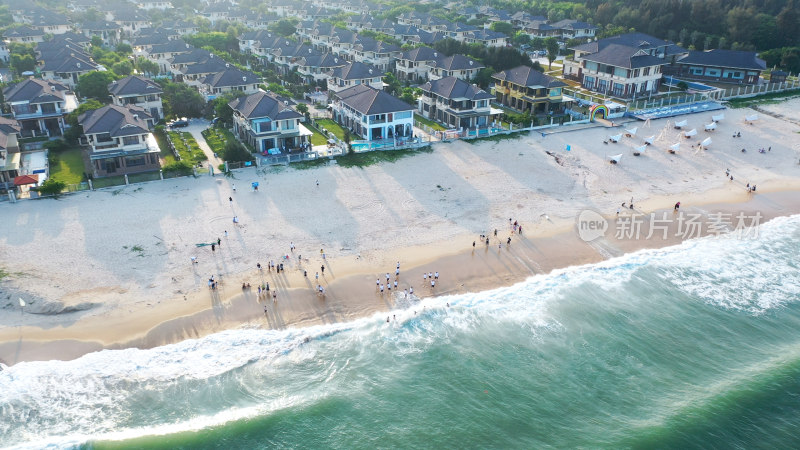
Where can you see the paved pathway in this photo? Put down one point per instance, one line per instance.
(196, 126)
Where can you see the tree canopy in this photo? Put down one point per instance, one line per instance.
(181, 100)
(95, 85)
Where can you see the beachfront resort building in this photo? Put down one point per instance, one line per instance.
(354, 74)
(268, 123)
(723, 66)
(456, 103)
(138, 91)
(373, 113)
(527, 90)
(118, 140)
(40, 106)
(624, 66)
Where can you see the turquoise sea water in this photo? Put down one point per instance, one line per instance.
(692, 346)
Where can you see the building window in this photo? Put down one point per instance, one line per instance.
(130, 140)
(646, 71)
(133, 161)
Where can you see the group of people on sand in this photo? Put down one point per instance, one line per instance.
(749, 187)
(514, 228)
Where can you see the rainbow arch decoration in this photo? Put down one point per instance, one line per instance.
(596, 110)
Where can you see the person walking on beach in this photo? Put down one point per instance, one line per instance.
(219, 242)
(677, 206)
(230, 200)
(316, 276)
(322, 269)
(233, 186)
(258, 265)
(411, 290)
(317, 183)
(520, 229)
(226, 234)
(213, 247)
(377, 282)
(508, 242)
(436, 275)
(381, 289)
(395, 285)
(291, 246)
(387, 277)
(274, 296)
(425, 277)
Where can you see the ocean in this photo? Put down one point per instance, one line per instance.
(690, 346)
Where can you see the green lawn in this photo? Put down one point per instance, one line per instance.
(428, 122)
(317, 138)
(336, 129)
(216, 138)
(67, 166)
(187, 147)
(365, 159)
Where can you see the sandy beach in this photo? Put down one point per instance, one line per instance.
(113, 268)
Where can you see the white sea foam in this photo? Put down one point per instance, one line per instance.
(62, 403)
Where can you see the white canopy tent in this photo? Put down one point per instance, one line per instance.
(711, 126)
(631, 132)
(706, 143)
(639, 150)
(649, 140)
(615, 138)
(681, 124)
(615, 159)
(718, 117)
(751, 118)
(690, 133)
(674, 147)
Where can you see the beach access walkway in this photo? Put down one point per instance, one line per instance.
(196, 127)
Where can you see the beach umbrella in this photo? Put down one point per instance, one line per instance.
(674, 147)
(706, 142)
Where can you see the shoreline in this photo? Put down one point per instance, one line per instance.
(351, 293)
(111, 269)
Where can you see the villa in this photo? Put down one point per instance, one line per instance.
(138, 91)
(373, 113)
(119, 140)
(40, 106)
(528, 90)
(456, 103)
(268, 122)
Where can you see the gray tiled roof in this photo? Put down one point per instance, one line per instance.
(134, 85)
(624, 56)
(23, 31)
(356, 71)
(372, 101)
(528, 77)
(458, 62)
(231, 76)
(725, 58)
(172, 46)
(633, 40)
(328, 60)
(454, 88)
(36, 91)
(571, 24)
(115, 120)
(263, 104)
(421, 54)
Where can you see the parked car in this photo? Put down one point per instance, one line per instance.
(179, 123)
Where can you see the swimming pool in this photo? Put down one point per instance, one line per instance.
(699, 87)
